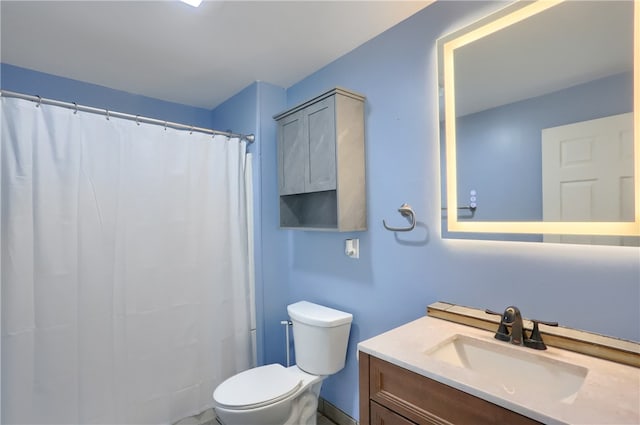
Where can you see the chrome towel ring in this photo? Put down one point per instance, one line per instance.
(406, 211)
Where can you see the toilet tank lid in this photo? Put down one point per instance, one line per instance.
(318, 315)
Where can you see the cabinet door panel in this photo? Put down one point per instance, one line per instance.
(320, 125)
(293, 151)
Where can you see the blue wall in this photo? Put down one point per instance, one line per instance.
(36, 83)
(251, 111)
(398, 275)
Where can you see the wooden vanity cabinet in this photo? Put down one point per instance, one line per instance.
(392, 395)
(321, 163)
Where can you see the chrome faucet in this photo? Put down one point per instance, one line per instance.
(512, 317)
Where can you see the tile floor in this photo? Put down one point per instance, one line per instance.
(323, 420)
(208, 418)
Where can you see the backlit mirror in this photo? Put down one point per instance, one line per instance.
(539, 124)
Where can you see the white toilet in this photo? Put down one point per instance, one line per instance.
(276, 395)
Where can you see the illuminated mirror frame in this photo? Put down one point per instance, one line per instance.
(626, 228)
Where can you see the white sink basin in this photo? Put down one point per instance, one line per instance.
(514, 369)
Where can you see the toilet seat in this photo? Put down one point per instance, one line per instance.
(257, 387)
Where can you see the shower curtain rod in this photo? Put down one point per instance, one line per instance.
(137, 118)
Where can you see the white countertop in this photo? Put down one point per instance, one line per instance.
(610, 393)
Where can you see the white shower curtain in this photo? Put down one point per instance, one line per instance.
(125, 295)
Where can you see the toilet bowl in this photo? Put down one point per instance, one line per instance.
(275, 395)
(271, 394)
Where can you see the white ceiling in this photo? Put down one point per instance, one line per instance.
(194, 56)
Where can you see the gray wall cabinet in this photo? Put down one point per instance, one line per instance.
(321, 167)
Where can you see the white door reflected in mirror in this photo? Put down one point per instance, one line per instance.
(587, 175)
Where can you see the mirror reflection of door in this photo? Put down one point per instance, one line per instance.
(587, 175)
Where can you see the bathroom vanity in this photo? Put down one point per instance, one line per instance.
(432, 371)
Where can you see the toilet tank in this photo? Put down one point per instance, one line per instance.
(320, 337)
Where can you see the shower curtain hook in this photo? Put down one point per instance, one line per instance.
(39, 101)
(75, 111)
(191, 130)
(107, 114)
(165, 126)
(138, 119)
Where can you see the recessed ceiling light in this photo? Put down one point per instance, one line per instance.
(194, 3)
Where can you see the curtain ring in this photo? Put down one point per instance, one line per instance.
(138, 119)
(191, 130)
(75, 111)
(165, 126)
(39, 101)
(107, 114)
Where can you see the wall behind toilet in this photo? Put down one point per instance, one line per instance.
(397, 275)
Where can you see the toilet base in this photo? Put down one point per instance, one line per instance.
(305, 408)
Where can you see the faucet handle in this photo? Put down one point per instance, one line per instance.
(503, 332)
(543, 322)
(535, 340)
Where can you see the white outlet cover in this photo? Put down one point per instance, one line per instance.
(352, 248)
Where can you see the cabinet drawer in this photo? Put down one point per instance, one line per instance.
(426, 401)
(380, 415)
